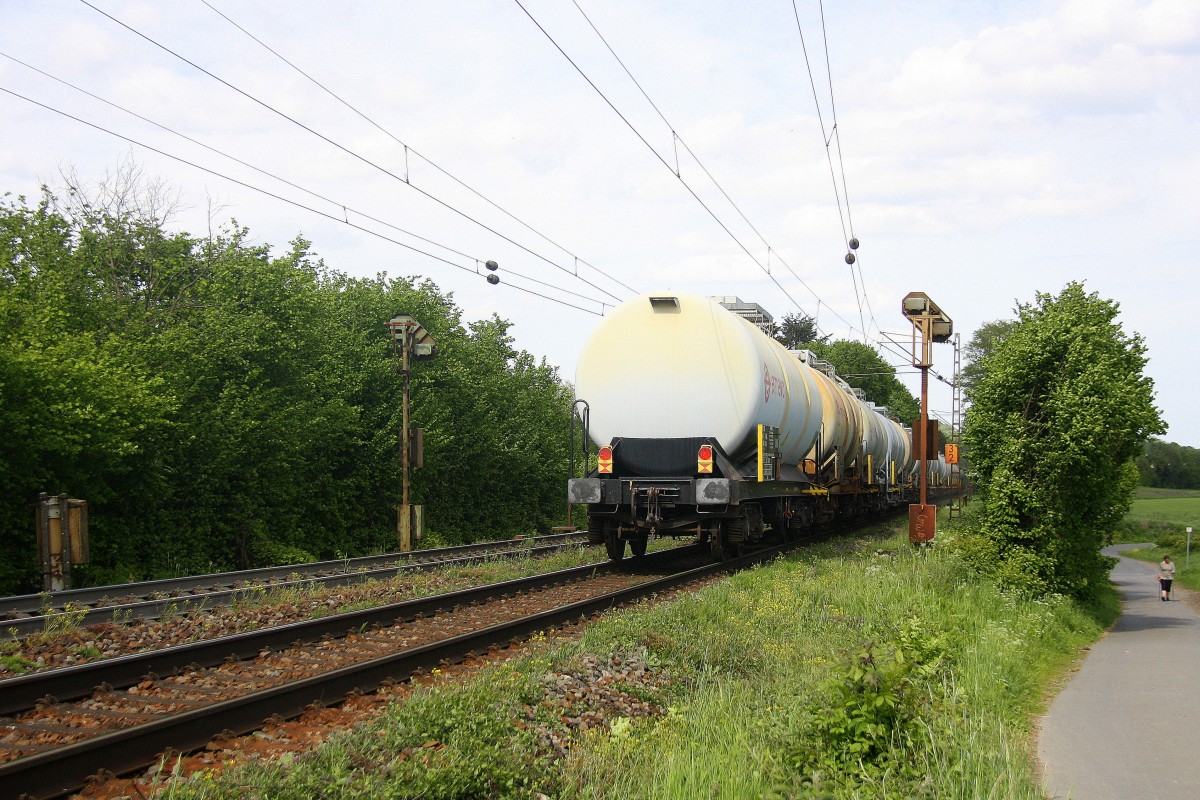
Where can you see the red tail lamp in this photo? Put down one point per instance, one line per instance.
(605, 460)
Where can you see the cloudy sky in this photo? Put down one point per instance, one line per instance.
(990, 150)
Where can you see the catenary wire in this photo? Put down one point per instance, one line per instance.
(413, 151)
(345, 208)
(659, 156)
(676, 137)
(297, 204)
(827, 137)
(347, 150)
(231, 157)
(857, 265)
(835, 135)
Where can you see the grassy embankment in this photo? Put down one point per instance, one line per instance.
(855, 669)
(1162, 516)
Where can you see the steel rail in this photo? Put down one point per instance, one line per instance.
(90, 596)
(60, 771)
(218, 596)
(71, 683)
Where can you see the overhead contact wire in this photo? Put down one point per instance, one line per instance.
(285, 181)
(344, 149)
(295, 203)
(657, 155)
(832, 135)
(409, 149)
(246, 164)
(676, 137)
(842, 167)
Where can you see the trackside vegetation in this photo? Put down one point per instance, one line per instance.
(859, 668)
(222, 406)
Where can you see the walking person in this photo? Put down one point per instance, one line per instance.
(1166, 576)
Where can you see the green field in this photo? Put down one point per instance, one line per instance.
(1176, 506)
(1150, 492)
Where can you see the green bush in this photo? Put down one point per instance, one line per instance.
(274, 554)
(881, 699)
(1060, 409)
(1169, 540)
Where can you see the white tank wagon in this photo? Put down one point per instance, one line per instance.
(937, 472)
(708, 427)
(680, 366)
(843, 423)
(890, 456)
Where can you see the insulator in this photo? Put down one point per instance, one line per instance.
(850, 258)
(854, 244)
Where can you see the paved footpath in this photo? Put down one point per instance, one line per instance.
(1127, 725)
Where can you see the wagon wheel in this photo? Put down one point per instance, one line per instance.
(716, 540)
(597, 524)
(744, 530)
(613, 543)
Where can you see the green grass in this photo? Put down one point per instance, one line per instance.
(834, 673)
(1182, 509)
(16, 664)
(1149, 492)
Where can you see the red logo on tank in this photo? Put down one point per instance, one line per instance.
(771, 384)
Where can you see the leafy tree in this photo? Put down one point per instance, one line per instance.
(1060, 410)
(75, 412)
(1169, 466)
(797, 331)
(494, 411)
(983, 342)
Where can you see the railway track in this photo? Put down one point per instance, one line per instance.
(26, 614)
(60, 726)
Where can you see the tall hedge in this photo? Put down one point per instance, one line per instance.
(1059, 411)
(222, 406)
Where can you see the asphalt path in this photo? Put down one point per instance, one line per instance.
(1127, 724)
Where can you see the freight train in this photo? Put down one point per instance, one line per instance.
(709, 428)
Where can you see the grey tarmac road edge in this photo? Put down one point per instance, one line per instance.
(1127, 725)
